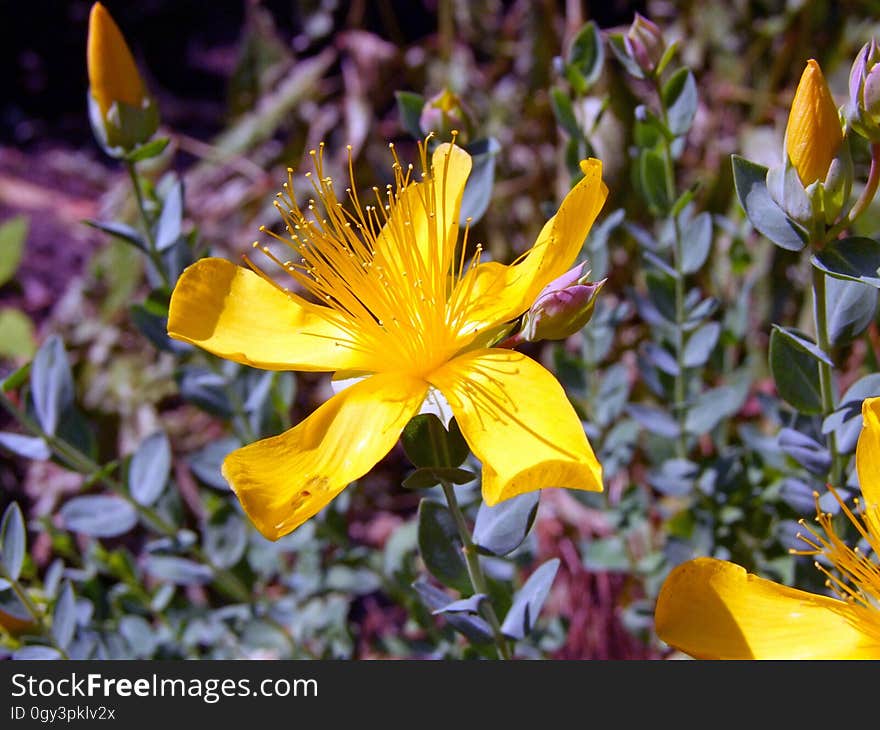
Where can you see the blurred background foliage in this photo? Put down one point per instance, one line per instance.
(245, 90)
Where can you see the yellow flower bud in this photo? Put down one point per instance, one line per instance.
(813, 134)
(113, 76)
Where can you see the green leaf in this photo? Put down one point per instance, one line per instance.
(700, 344)
(529, 601)
(30, 447)
(440, 547)
(803, 342)
(100, 515)
(586, 55)
(796, 374)
(652, 176)
(51, 384)
(64, 617)
(499, 530)
(13, 234)
(765, 215)
(463, 605)
(851, 307)
(475, 628)
(426, 442)
(713, 406)
(846, 420)
(427, 477)
(696, 241)
(149, 150)
(121, 231)
(680, 97)
(564, 112)
(180, 571)
(17, 340)
(150, 468)
(13, 540)
(409, 107)
(225, 538)
(478, 189)
(206, 462)
(856, 259)
(618, 48)
(169, 226)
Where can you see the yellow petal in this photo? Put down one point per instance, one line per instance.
(234, 313)
(868, 463)
(519, 423)
(113, 75)
(813, 133)
(284, 480)
(424, 221)
(712, 609)
(501, 293)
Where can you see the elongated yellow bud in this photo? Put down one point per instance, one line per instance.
(113, 76)
(813, 134)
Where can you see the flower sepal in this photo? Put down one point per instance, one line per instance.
(125, 129)
(822, 202)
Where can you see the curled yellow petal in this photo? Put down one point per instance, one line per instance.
(236, 314)
(712, 609)
(813, 134)
(284, 480)
(519, 423)
(113, 75)
(500, 293)
(868, 464)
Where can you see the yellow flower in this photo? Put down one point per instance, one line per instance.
(395, 295)
(813, 133)
(113, 76)
(712, 609)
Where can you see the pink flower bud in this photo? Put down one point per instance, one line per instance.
(644, 41)
(562, 308)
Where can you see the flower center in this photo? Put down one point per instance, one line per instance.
(853, 573)
(387, 271)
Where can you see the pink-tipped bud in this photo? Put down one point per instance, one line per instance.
(442, 113)
(645, 44)
(563, 307)
(863, 109)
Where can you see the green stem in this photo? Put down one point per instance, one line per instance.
(475, 570)
(870, 189)
(81, 463)
(826, 383)
(679, 405)
(152, 252)
(679, 385)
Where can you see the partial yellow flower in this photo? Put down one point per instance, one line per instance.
(813, 134)
(712, 609)
(395, 293)
(113, 75)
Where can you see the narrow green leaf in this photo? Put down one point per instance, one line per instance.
(564, 112)
(13, 539)
(587, 54)
(409, 107)
(150, 468)
(680, 97)
(51, 384)
(13, 234)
